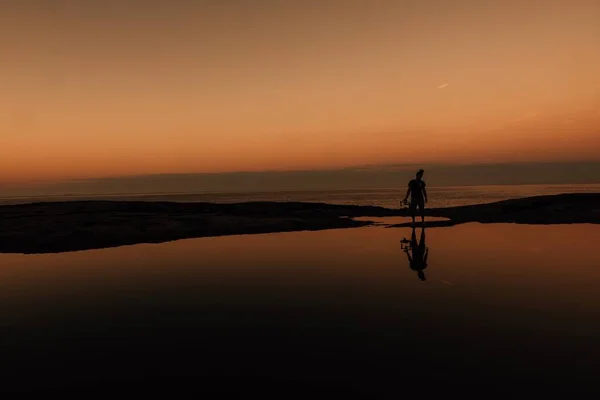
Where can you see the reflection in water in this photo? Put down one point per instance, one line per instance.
(416, 252)
(305, 313)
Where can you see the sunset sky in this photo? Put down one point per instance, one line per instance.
(125, 87)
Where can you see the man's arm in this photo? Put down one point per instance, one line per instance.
(407, 192)
(425, 193)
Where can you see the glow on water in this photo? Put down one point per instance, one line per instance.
(499, 303)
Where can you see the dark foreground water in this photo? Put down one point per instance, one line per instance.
(506, 310)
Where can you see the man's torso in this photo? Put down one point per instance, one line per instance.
(416, 188)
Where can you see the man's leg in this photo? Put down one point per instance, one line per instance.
(413, 210)
(413, 240)
(422, 209)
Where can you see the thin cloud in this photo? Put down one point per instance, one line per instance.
(443, 85)
(529, 115)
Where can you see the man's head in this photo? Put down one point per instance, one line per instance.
(420, 174)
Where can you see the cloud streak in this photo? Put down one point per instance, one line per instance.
(443, 85)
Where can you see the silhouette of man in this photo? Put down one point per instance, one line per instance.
(420, 252)
(418, 196)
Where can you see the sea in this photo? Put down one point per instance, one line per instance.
(447, 196)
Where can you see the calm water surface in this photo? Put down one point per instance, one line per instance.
(504, 309)
(449, 196)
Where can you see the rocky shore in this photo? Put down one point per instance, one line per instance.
(82, 225)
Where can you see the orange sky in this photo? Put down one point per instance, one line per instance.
(103, 88)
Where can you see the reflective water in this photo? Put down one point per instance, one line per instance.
(505, 309)
(444, 196)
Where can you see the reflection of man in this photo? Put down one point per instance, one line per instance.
(418, 260)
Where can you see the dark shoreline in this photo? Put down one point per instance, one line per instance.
(55, 227)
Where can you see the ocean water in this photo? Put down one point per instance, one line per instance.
(500, 311)
(385, 197)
